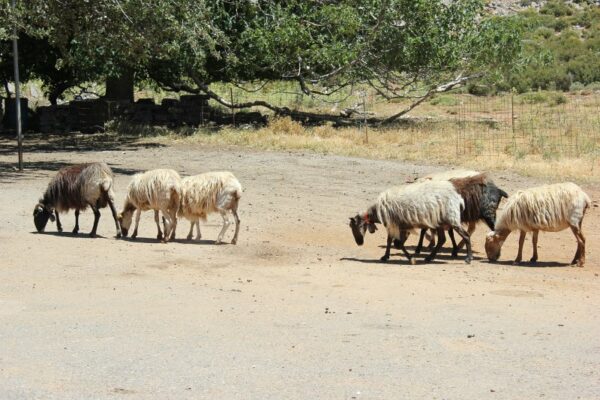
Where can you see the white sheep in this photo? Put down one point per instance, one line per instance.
(424, 205)
(157, 190)
(447, 175)
(444, 176)
(549, 208)
(209, 193)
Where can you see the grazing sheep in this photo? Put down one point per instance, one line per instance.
(157, 190)
(447, 175)
(77, 187)
(482, 198)
(425, 205)
(549, 208)
(208, 193)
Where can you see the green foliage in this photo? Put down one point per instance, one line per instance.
(320, 45)
(561, 46)
(539, 97)
(446, 101)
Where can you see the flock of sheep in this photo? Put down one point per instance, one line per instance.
(432, 204)
(162, 190)
(448, 200)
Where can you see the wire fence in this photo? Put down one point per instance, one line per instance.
(551, 125)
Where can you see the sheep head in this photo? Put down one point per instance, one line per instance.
(41, 215)
(359, 225)
(493, 245)
(125, 217)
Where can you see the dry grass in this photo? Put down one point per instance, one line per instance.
(422, 142)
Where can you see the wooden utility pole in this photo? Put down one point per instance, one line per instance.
(17, 92)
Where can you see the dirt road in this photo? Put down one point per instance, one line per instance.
(296, 310)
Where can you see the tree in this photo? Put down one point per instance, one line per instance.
(401, 48)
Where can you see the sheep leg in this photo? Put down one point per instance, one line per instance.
(386, 256)
(189, 236)
(225, 226)
(440, 243)
(237, 225)
(520, 252)
(399, 242)
(76, 229)
(198, 234)
(173, 214)
(137, 223)
(534, 242)
(579, 258)
(471, 229)
(453, 240)
(113, 210)
(431, 237)
(461, 231)
(159, 236)
(96, 219)
(420, 245)
(58, 224)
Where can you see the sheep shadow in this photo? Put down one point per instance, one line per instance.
(69, 234)
(395, 259)
(527, 264)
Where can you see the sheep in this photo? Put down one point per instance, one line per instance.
(549, 208)
(447, 175)
(158, 190)
(425, 205)
(437, 176)
(208, 193)
(482, 198)
(77, 187)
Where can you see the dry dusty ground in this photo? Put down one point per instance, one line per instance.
(296, 310)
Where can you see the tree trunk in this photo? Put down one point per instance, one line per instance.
(120, 88)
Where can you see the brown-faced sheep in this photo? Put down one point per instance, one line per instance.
(550, 208)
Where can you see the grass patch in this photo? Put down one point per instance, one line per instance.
(424, 142)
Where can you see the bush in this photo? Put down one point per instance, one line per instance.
(444, 101)
(576, 86)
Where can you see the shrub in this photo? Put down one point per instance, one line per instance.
(576, 86)
(444, 101)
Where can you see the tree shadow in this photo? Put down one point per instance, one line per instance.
(73, 142)
(38, 169)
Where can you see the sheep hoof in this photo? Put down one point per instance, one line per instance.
(59, 229)
(454, 254)
(189, 237)
(234, 241)
(92, 234)
(385, 258)
(75, 231)
(428, 259)
(218, 241)
(159, 236)
(119, 235)
(412, 261)
(468, 260)
(517, 261)
(418, 251)
(533, 260)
